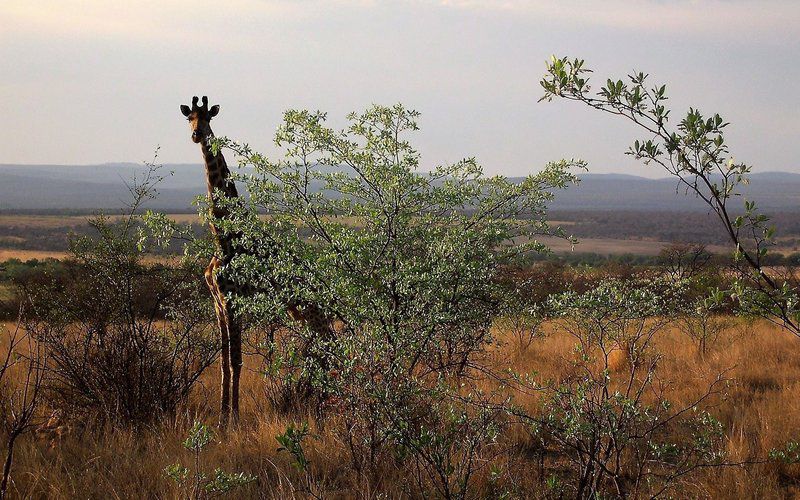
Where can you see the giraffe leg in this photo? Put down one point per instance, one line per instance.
(220, 308)
(235, 336)
(225, 368)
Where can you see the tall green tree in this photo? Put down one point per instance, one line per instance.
(404, 260)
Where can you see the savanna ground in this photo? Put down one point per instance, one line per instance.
(757, 405)
(759, 408)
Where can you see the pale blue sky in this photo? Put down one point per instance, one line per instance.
(97, 81)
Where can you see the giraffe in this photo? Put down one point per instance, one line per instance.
(218, 180)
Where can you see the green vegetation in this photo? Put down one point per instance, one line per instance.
(462, 360)
(197, 484)
(695, 152)
(412, 286)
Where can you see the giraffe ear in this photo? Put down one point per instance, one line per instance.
(185, 110)
(213, 111)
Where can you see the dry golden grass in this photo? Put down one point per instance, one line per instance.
(6, 292)
(23, 255)
(612, 246)
(68, 221)
(42, 221)
(761, 409)
(761, 406)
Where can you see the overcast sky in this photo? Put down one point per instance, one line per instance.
(101, 81)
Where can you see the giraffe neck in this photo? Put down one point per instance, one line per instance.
(217, 172)
(218, 181)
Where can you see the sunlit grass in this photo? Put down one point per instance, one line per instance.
(760, 409)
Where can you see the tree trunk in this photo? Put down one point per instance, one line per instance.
(7, 466)
(235, 339)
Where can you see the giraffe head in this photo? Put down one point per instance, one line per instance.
(199, 118)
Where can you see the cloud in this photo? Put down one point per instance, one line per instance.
(727, 18)
(183, 22)
(240, 23)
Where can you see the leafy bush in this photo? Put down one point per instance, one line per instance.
(15, 273)
(405, 263)
(609, 418)
(196, 483)
(126, 338)
(23, 360)
(703, 323)
(694, 151)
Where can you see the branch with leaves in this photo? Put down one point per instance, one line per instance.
(695, 152)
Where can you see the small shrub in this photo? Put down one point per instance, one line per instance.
(23, 359)
(197, 484)
(613, 424)
(703, 324)
(292, 442)
(126, 338)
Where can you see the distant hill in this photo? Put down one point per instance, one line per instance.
(774, 191)
(76, 188)
(79, 188)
